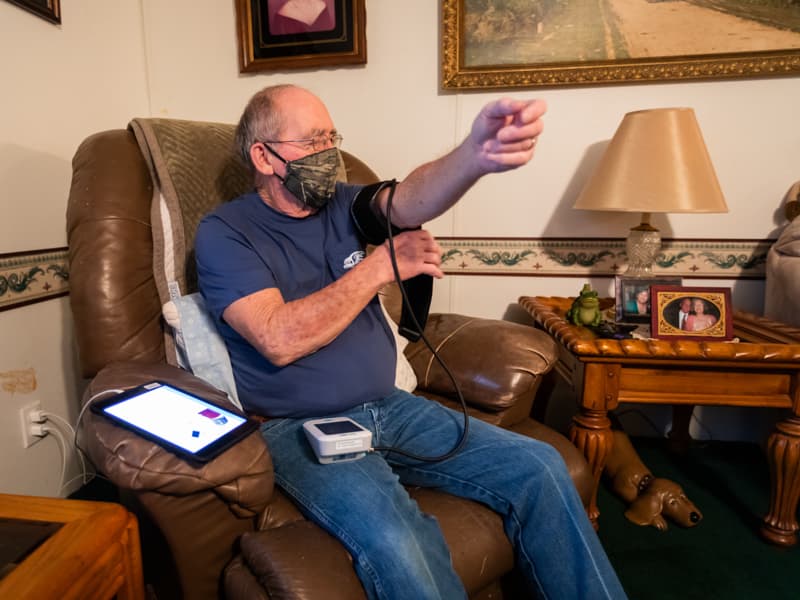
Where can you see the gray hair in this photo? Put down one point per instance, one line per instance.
(259, 121)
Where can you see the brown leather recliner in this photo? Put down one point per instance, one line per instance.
(783, 265)
(223, 530)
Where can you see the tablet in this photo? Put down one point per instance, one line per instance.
(181, 422)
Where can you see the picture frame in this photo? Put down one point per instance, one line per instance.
(50, 10)
(626, 290)
(710, 319)
(489, 45)
(273, 37)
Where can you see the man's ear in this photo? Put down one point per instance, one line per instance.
(261, 159)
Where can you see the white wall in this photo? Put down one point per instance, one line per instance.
(110, 61)
(394, 115)
(59, 83)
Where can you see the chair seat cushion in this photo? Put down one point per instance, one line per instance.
(287, 560)
(479, 548)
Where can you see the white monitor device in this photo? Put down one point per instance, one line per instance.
(337, 439)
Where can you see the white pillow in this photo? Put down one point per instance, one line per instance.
(405, 378)
(200, 347)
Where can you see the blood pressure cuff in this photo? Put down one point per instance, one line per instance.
(370, 222)
(373, 229)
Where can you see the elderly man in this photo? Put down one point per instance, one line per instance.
(284, 272)
(684, 312)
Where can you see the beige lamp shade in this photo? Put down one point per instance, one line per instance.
(656, 162)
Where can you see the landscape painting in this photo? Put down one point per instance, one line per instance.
(495, 43)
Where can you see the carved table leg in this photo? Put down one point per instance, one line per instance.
(783, 450)
(590, 432)
(679, 438)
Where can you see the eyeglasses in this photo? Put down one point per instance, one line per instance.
(316, 143)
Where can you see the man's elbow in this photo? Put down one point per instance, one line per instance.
(281, 360)
(278, 356)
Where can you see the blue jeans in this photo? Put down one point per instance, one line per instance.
(398, 551)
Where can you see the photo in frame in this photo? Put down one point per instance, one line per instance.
(505, 43)
(633, 297)
(300, 34)
(47, 9)
(691, 313)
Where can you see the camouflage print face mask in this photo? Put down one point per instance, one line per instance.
(312, 179)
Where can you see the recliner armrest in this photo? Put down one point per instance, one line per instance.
(242, 476)
(498, 364)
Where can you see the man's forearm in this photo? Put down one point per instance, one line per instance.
(286, 331)
(431, 189)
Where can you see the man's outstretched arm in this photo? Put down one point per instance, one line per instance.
(503, 137)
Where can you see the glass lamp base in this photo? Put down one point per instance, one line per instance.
(642, 247)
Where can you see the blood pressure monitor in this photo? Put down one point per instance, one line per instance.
(337, 439)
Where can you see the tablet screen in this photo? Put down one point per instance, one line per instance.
(182, 420)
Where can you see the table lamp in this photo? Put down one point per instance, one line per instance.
(656, 162)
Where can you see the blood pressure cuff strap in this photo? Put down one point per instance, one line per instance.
(369, 221)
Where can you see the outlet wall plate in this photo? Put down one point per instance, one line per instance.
(26, 422)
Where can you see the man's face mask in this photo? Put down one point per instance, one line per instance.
(312, 179)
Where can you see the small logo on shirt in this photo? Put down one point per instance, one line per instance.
(355, 258)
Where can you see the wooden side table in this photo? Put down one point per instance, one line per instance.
(94, 554)
(762, 369)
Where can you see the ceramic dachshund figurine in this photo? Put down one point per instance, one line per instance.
(663, 498)
(650, 499)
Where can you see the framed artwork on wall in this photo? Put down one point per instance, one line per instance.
(522, 43)
(300, 34)
(696, 313)
(47, 9)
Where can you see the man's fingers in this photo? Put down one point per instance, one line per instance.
(418, 251)
(518, 131)
(533, 110)
(521, 111)
(433, 270)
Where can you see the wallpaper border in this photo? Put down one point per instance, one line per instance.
(567, 257)
(37, 275)
(33, 276)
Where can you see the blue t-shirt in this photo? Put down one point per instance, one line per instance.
(245, 246)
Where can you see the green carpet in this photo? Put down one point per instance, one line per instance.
(723, 556)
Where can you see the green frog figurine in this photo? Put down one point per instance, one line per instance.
(585, 310)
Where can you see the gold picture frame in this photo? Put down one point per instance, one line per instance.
(271, 41)
(47, 9)
(488, 45)
(709, 311)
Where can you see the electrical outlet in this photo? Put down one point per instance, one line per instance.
(27, 423)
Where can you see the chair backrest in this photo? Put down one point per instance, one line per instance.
(127, 188)
(782, 286)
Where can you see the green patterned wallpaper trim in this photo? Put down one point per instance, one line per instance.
(557, 257)
(27, 277)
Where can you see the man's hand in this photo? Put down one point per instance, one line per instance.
(505, 133)
(417, 252)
